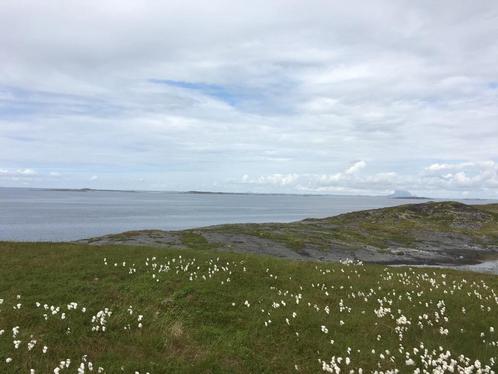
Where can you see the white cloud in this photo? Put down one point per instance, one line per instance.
(26, 172)
(266, 88)
(430, 181)
(19, 173)
(446, 167)
(357, 166)
(475, 175)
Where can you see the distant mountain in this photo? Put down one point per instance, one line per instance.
(403, 194)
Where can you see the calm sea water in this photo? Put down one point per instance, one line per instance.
(46, 215)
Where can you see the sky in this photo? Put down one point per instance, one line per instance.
(356, 97)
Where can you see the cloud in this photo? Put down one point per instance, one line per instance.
(433, 180)
(482, 165)
(274, 179)
(186, 95)
(464, 175)
(19, 173)
(27, 172)
(28, 175)
(357, 166)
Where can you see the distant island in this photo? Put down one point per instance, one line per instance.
(83, 190)
(247, 193)
(403, 194)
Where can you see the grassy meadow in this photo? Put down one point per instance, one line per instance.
(123, 309)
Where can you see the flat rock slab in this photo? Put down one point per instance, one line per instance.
(426, 234)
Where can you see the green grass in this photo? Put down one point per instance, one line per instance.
(195, 241)
(400, 226)
(195, 320)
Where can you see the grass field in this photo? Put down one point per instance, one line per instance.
(76, 308)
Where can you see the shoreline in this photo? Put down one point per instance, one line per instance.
(435, 234)
(485, 267)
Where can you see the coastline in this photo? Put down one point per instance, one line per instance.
(443, 234)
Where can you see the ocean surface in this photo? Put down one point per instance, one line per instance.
(56, 215)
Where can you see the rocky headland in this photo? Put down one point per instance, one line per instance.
(432, 233)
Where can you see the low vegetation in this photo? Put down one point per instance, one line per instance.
(112, 309)
(401, 226)
(427, 233)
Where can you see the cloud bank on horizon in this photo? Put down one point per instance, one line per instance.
(262, 96)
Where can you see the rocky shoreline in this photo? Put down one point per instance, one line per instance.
(445, 234)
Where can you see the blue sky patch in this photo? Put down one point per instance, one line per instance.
(219, 92)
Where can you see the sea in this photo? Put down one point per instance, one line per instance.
(66, 215)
